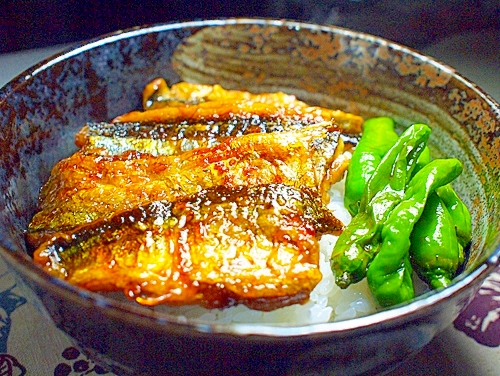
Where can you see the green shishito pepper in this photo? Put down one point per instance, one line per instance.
(439, 237)
(435, 250)
(359, 242)
(459, 213)
(378, 137)
(390, 273)
(385, 237)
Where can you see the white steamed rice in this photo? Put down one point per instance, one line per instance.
(327, 301)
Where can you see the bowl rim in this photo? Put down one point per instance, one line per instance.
(23, 264)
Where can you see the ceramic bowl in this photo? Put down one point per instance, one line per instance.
(41, 110)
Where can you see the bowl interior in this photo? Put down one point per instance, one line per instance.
(42, 109)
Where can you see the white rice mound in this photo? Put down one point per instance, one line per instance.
(327, 302)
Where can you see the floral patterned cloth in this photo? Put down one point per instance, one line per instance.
(481, 319)
(30, 345)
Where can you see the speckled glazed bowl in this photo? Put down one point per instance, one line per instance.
(41, 110)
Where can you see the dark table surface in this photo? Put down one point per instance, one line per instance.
(27, 24)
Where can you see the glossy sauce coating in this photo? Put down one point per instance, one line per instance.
(251, 245)
(85, 187)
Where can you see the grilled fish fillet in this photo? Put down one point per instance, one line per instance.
(220, 247)
(180, 136)
(157, 97)
(88, 186)
(158, 94)
(207, 196)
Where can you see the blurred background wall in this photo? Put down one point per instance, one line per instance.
(27, 24)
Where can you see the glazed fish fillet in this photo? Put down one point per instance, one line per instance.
(169, 130)
(89, 186)
(207, 196)
(158, 100)
(220, 247)
(178, 137)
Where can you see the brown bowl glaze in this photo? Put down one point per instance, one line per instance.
(41, 110)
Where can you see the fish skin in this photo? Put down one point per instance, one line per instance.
(178, 137)
(220, 247)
